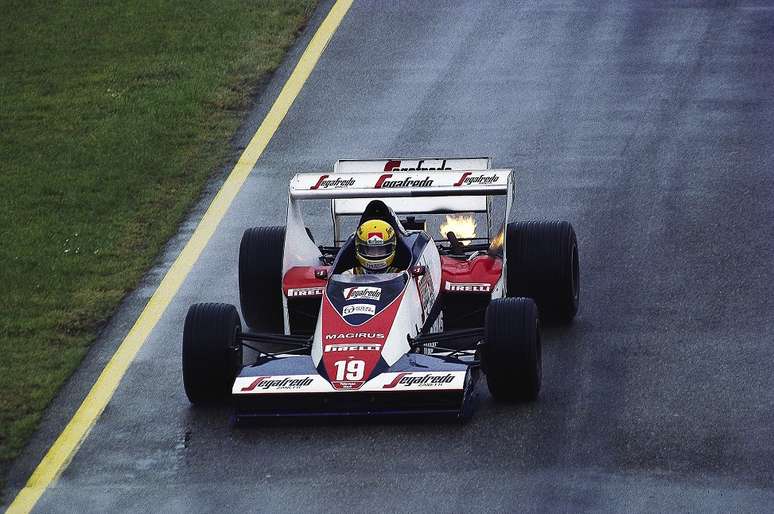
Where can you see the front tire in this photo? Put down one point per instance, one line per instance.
(542, 264)
(260, 278)
(212, 351)
(512, 354)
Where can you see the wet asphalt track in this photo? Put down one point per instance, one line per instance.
(651, 128)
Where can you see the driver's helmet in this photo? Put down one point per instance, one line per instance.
(375, 244)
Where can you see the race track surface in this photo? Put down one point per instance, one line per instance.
(650, 128)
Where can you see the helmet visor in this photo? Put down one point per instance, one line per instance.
(375, 251)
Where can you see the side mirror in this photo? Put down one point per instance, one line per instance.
(321, 273)
(418, 271)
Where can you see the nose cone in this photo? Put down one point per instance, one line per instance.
(354, 331)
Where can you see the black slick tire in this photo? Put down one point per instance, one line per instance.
(512, 354)
(260, 278)
(212, 352)
(542, 264)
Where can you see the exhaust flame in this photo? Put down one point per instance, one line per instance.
(463, 227)
(497, 242)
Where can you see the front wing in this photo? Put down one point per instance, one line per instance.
(416, 384)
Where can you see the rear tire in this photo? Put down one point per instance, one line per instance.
(512, 354)
(260, 278)
(212, 351)
(542, 262)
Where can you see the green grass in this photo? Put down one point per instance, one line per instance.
(112, 117)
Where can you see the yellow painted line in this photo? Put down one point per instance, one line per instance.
(66, 445)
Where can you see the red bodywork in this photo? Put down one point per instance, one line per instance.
(482, 269)
(304, 279)
(343, 343)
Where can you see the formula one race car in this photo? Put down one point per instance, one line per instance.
(324, 341)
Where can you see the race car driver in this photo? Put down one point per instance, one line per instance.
(375, 244)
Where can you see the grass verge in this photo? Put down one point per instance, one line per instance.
(112, 117)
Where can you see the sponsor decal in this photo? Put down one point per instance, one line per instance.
(356, 335)
(324, 182)
(395, 166)
(339, 384)
(362, 293)
(468, 179)
(286, 383)
(306, 291)
(343, 347)
(384, 183)
(419, 380)
(426, 292)
(426, 300)
(358, 308)
(471, 287)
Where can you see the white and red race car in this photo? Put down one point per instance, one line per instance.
(326, 342)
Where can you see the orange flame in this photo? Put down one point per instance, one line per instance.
(463, 227)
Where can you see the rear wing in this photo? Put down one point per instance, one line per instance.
(380, 165)
(406, 192)
(469, 204)
(464, 183)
